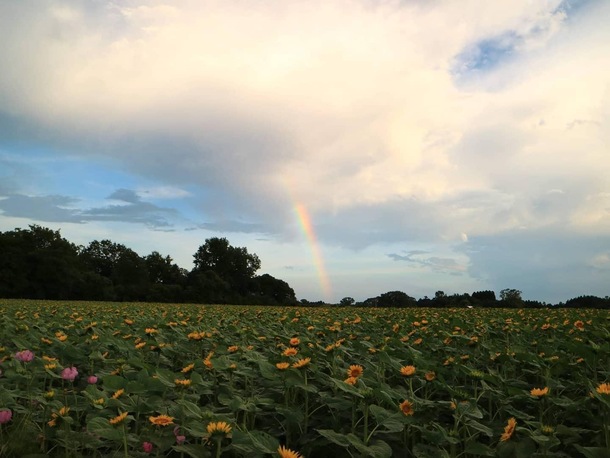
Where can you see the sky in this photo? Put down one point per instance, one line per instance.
(356, 146)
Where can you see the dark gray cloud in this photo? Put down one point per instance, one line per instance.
(64, 209)
(41, 208)
(434, 263)
(125, 195)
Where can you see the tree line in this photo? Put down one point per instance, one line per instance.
(38, 263)
(509, 298)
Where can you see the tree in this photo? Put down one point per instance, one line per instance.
(347, 302)
(102, 257)
(440, 299)
(396, 299)
(511, 297)
(130, 276)
(270, 290)
(161, 270)
(38, 263)
(206, 287)
(232, 264)
(484, 298)
(123, 266)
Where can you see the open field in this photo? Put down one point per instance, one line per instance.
(106, 379)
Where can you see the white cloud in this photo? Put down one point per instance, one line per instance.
(356, 97)
(390, 121)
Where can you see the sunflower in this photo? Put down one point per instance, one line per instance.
(430, 376)
(284, 452)
(295, 341)
(603, 388)
(407, 371)
(351, 380)
(161, 420)
(290, 351)
(182, 382)
(301, 363)
(208, 361)
(509, 429)
(232, 348)
(282, 366)
(118, 419)
(218, 427)
(406, 407)
(118, 393)
(187, 369)
(539, 392)
(355, 370)
(193, 335)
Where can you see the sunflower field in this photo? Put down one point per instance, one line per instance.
(133, 380)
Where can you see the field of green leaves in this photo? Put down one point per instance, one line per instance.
(107, 379)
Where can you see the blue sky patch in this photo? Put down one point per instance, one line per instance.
(485, 55)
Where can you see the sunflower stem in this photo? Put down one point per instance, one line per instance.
(125, 454)
(218, 449)
(365, 437)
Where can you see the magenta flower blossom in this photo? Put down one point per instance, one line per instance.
(24, 356)
(5, 416)
(69, 373)
(147, 447)
(92, 380)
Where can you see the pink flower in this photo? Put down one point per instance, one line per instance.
(179, 438)
(147, 447)
(24, 356)
(5, 416)
(92, 380)
(69, 373)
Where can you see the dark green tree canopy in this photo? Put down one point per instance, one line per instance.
(271, 290)
(396, 299)
(232, 264)
(511, 297)
(347, 301)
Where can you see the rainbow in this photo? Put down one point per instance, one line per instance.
(307, 228)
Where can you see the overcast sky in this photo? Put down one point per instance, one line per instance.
(356, 146)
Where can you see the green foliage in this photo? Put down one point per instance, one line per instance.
(473, 370)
